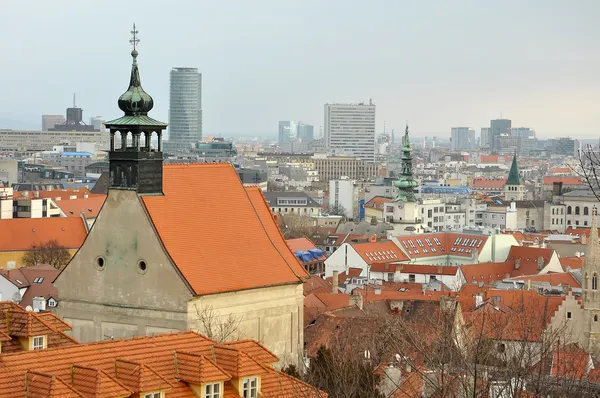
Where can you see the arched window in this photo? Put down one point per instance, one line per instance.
(569, 210)
(586, 212)
(595, 318)
(586, 282)
(595, 282)
(552, 211)
(576, 210)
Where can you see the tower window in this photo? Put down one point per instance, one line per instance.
(100, 263)
(586, 211)
(569, 210)
(142, 267)
(576, 210)
(568, 315)
(595, 318)
(595, 282)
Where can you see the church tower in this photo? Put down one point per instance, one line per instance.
(135, 165)
(514, 188)
(406, 207)
(591, 294)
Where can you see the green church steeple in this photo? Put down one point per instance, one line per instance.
(513, 174)
(406, 183)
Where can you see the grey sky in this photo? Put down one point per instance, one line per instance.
(436, 63)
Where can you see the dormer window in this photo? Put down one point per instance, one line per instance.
(156, 394)
(38, 343)
(250, 387)
(212, 390)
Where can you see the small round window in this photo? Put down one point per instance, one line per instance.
(100, 263)
(142, 267)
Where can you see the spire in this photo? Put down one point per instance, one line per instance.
(513, 174)
(406, 140)
(406, 182)
(135, 101)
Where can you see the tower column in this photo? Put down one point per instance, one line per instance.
(160, 141)
(147, 137)
(124, 140)
(112, 140)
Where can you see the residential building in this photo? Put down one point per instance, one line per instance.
(26, 233)
(185, 109)
(331, 168)
(350, 130)
(9, 171)
(143, 241)
(462, 138)
(28, 142)
(76, 162)
(49, 121)
(298, 203)
(16, 206)
(502, 218)
(375, 208)
(497, 128)
(312, 258)
(30, 286)
(85, 208)
(345, 194)
(564, 146)
(578, 207)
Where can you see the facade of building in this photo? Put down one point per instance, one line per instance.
(344, 194)
(497, 128)
(578, 207)
(462, 138)
(49, 121)
(331, 168)
(288, 131)
(564, 146)
(306, 132)
(350, 130)
(76, 162)
(485, 137)
(185, 109)
(147, 267)
(27, 142)
(298, 203)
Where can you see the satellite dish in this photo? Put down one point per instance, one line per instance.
(398, 357)
(29, 308)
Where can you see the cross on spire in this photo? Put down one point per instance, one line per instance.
(134, 40)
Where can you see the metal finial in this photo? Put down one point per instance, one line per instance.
(134, 40)
(594, 211)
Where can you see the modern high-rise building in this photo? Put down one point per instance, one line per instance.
(524, 132)
(497, 128)
(485, 138)
(49, 121)
(288, 131)
(306, 132)
(185, 109)
(97, 122)
(350, 130)
(462, 138)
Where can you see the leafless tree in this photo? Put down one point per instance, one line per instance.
(589, 169)
(300, 226)
(50, 252)
(212, 325)
(335, 210)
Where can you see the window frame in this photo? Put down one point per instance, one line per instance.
(153, 394)
(248, 390)
(35, 346)
(212, 393)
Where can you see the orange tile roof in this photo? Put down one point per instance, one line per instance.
(494, 158)
(89, 206)
(43, 385)
(54, 321)
(316, 284)
(255, 350)
(378, 202)
(137, 377)
(560, 170)
(481, 182)
(441, 244)
(427, 269)
(258, 257)
(94, 383)
(155, 352)
(579, 231)
(571, 364)
(304, 244)
(571, 262)
(380, 252)
(280, 385)
(554, 279)
(18, 234)
(197, 369)
(564, 180)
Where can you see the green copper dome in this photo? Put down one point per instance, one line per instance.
(135, 101)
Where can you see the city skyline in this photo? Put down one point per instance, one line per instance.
(540, 76)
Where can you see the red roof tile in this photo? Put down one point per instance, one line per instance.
(495, 159)
(427, 269)
(564, 180)
(19, 234)
(378, 202)
(43, 385)
(571, 262)
(554, 279)
(138, 377)
(380, 252)
(441, 244)
(316, 284)
(481, 182)
(55, 194)
(89, 206)
(95, 383)
(258, 256)
(197, 369)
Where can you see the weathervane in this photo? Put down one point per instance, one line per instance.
(134, 40)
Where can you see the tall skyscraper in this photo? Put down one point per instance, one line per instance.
(462, 138)
(306, 132)
(523, 132)
(485, 140)
(49, 121)
(497, 128)
(350, 130)
(185, 108)
(288, 131)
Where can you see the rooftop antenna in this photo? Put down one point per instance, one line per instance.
(74, 102)
(384, 127)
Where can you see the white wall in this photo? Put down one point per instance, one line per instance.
(9, 291)
(343, 258)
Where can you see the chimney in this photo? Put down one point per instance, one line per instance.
(36, 194)
(334, 282)
(540, 263)
(356, 299)
(528, 284)
(373, 238)
(518, 263)
(565, 288)
(39, 304)
(377, 290)
(557, 188)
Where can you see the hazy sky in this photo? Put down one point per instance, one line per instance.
(436, 64)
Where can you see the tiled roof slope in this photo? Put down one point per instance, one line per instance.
(380, 252)
(89, 206)
(43, 385)
(18, 234)
(157, 354)
(197, 231)
(442, 243)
